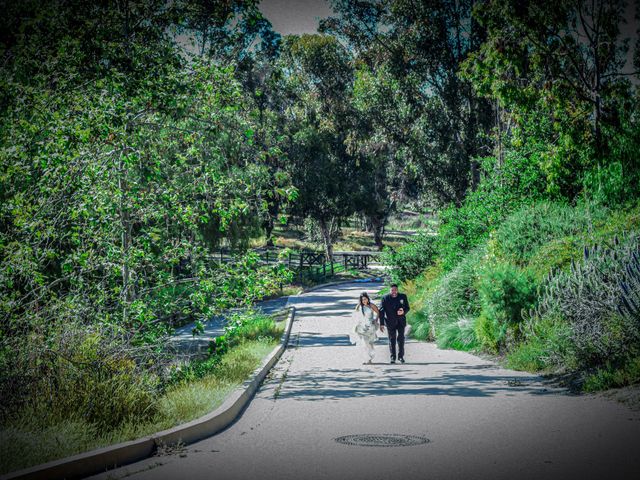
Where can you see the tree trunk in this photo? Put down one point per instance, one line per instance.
(326, 237)
(268, 228)
(377, 226)
(272, 211)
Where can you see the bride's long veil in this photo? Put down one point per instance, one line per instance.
(356, 317)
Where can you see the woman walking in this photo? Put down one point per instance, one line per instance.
(365, 325)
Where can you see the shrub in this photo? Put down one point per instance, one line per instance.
(422, 331)
(489, 333)
(454, 294)
(520, 237)
(250, 325)
(599, 297)
(511, 182)
(410, 260)
(555, 255)
(546, 346)
(241, 326)
(459, 335)
(611, 376)
(83, 372)
(504, 291)
(419, 291)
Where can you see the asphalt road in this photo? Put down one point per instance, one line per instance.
(475, 420)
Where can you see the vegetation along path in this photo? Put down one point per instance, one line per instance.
(480, 420)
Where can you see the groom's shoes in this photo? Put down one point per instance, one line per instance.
(402, 360)
(393, 360)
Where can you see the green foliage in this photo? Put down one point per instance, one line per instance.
(411, 259)
(491, 335)
(611, 376)
(459, 335)
(126, 163)
(452, 296)
(251, 325)
(598, 298)
(28, 441)
(505, 291)
(543, 76)
(546, 347)
(419, 112)
(521, 235)
(241, 327)
(81, 372)
(502, 191)
(556, 254)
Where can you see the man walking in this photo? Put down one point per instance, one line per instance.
(393, 313)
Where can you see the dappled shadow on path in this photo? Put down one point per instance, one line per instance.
(335, 384)
(311, 339)
(328, 307)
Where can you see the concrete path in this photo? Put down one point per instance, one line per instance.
(185, 342)
(482, 422)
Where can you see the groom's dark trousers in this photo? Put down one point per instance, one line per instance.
(396, 334)
(395, 323)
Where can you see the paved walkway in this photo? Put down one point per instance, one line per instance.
(184, 341)
(482, 422)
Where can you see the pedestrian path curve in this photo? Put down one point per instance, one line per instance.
(472, 418)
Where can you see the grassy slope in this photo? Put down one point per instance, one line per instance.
(24, 444)
(454, 309)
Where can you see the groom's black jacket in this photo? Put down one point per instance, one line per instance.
(389, 309)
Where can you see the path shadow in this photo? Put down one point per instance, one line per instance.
(311, 339)
(408, 363)
(336, 309)
(335, 384)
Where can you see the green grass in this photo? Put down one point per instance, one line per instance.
(612, 377)
(24, 442)
(458, 335)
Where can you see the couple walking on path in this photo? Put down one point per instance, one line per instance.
(367, 318)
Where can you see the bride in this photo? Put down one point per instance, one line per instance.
(365, 325)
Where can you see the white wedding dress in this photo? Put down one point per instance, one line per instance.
(363, 331)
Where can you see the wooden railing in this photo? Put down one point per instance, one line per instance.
(312, 263)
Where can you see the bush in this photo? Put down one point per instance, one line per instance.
(555, 255)
(599, 298)
(251, 325)
(504, 291)
(509, 183)
(490, 334)
(611, 376)
(546, 346)
(459, 335)
(454, 295)
(410, 260)
(524, 232)
(83, 372)
(241, 326)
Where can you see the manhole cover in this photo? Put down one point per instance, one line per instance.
(382, 440)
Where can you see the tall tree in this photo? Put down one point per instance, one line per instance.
(317, 78)
(562, 64)
(422, 45)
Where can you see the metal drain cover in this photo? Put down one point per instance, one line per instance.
(382, 440)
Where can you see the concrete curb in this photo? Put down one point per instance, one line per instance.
(102, 459)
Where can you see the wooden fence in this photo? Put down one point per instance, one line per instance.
(307, 263)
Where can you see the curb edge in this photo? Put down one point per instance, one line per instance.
(105, 458)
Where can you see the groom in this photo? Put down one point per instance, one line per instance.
(393, 313)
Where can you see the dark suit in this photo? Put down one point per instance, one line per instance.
(395, 323)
